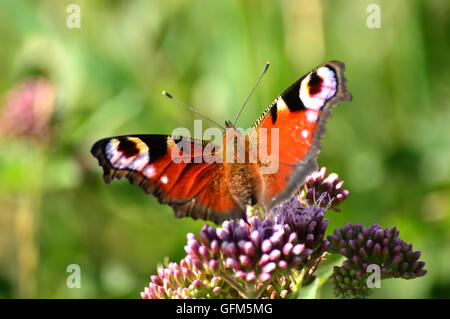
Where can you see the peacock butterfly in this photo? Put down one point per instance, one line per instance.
(220, 186)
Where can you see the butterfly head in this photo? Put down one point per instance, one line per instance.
(233, 143)
(229, 124)
(231, 133)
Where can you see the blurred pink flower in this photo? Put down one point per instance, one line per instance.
(27, 109)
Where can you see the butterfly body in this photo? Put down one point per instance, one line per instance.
(202, 180)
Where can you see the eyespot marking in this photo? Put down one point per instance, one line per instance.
(318, 87)
(127, 153)
(128, 147)
(139, 162)
(315, 84)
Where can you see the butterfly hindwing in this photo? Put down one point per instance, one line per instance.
(300, 115)
(161, 165)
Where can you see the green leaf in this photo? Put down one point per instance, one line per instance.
(310, 291)
(323, 272)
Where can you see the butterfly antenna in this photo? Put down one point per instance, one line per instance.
(251, 92)
(191, 109)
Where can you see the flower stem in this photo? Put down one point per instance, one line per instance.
(234, 285)
(297, 281)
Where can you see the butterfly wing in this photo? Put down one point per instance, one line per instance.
(173, 169)
(299, 116)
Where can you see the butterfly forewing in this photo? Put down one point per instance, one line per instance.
(161, 165)
(298, 116)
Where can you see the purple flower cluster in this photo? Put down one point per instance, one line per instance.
(275, 254)
(371, 246)
(326, 190)
(184, 281)
(251, 257)
(251, 253)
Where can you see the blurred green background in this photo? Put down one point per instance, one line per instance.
(62, 89)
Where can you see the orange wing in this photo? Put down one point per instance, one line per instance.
(173, 170)
(299, 116)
